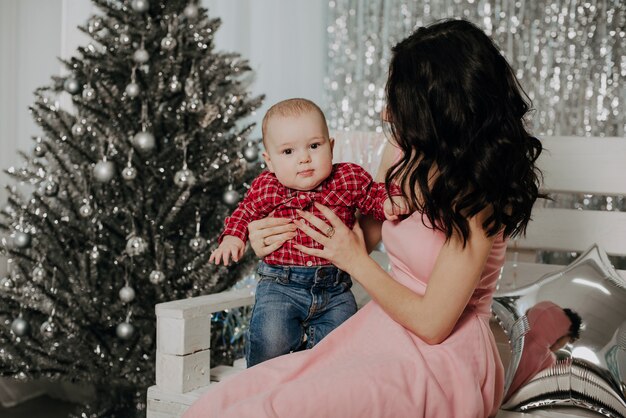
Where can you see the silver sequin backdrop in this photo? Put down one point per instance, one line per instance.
(569, 55)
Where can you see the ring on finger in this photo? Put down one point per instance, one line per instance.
(330, 232)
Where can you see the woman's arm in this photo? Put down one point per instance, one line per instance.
(370, 226)
(454, 277)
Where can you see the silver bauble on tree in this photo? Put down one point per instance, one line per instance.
(21, 239)
(50, 188)
(198, 244)
(144, 141)
(71, 85)
(251, 152)
(175, 85)
(140, 6)
(20, 326)
(48, 329)
(129, 173)
(141, 56)
(168, 43)
(132, 89)
(89, 93)
(125, 39)
(78, 129)
(157, 277)
(230, 196)
(85, 211)
(127, 294)
(191, 11)
(125, 330)
(184, 178)
(104, 171)
(136, 245)
(39, 150)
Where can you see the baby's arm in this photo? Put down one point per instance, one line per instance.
(229, 247)
(372, 197)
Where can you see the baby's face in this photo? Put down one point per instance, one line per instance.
(298, 150)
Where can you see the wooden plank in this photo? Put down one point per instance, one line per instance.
(155, 393)
(584, 165)
(181, 374)
(205, 305)
(574, 230)
(181, 336)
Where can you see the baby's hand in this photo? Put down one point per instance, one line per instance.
(395, 207)
(230, 247)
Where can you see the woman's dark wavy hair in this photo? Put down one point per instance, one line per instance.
(456, 109)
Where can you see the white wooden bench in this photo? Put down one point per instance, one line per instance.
(570, 164)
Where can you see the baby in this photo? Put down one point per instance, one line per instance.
(300, 298)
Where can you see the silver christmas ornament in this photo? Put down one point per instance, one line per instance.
(191, 11)
(129, 173)
(50, 188)
(132, 89)
(168, 43)
(39, 150)
(104, 171)
(140, 6)
(78, 129)
(175, 85)
(6, 283)
(21, 239)
(39, 274)
(89, 93)
(230, 197)
(125, 330)
(127, 294)
(184, 178)
(48, 329)
(20, 327)
(125, 39)
(157, 277)
(136, 245)
(71, 85)
(85, 211)
(141, 56)
(198, 244)
(251, 152)
(144, 141)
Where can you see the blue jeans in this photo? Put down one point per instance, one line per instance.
(294, 301)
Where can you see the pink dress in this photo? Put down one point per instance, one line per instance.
(371, 366)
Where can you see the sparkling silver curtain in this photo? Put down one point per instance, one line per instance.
(570, 56)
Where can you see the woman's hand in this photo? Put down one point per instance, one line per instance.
(269, 234)
(342, 247)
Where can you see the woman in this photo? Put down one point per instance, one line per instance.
(423, 346)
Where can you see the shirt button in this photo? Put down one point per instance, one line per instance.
(309, 263)
(302, 196)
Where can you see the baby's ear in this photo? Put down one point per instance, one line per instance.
(268, 161)
(332, 144)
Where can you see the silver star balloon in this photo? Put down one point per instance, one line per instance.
(588, 373)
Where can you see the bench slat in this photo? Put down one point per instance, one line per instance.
(584, 165)
(574, 230)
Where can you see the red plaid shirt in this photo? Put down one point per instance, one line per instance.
(347, 188)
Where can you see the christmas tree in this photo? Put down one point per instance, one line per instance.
(123, 197)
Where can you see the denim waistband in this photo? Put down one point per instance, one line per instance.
(322, 275)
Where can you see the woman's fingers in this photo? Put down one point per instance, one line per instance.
(313, 220)
(266, 223)
(334, 220)
(310, 251)
(316, 235)
(272, 239)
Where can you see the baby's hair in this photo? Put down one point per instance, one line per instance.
(291, 107)
(574, 329)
